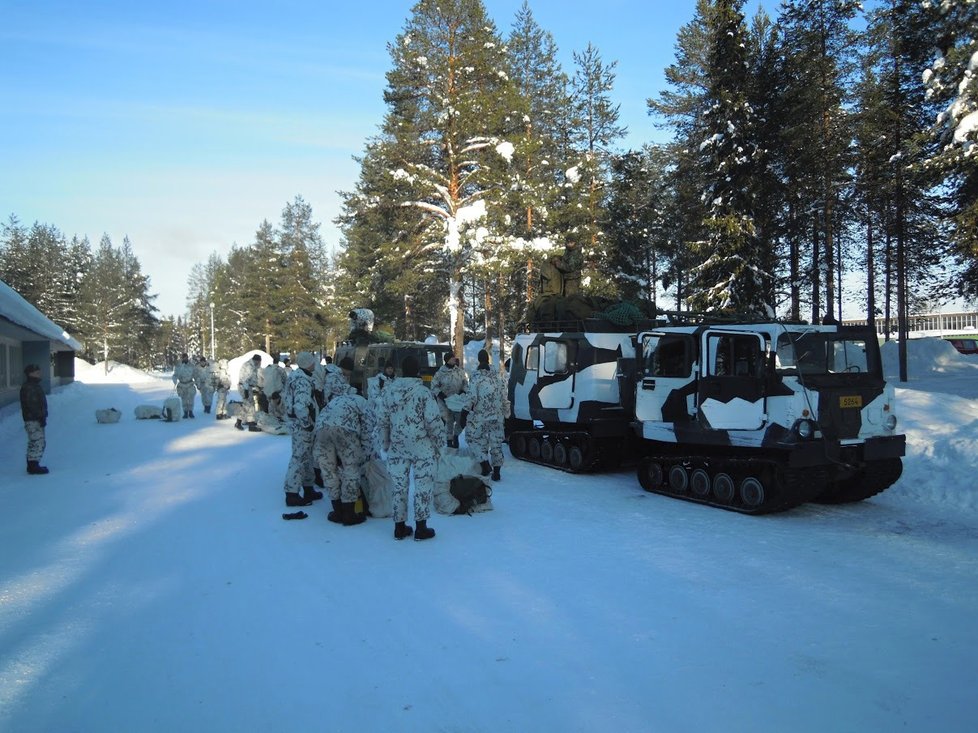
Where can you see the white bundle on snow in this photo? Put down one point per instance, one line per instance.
(376, 487)
(235, 408)
(109, 415)
(148, 412)
(172, 409)
(271, 424)
(454, 463)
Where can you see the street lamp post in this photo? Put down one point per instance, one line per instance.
(212, 331)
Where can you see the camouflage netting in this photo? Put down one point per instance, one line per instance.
(623, 314)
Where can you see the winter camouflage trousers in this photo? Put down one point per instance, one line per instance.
(248, 408)
(35, 440)
(424, 486)
(453, 420)
(486, 439)
(300, 472)
(206, 396)
(187, 392)
(341, 481)
(222, 401)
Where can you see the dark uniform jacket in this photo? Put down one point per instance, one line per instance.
(33, 403)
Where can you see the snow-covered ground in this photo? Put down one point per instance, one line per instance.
(148, 583)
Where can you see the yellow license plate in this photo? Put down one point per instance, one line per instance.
(850, 401)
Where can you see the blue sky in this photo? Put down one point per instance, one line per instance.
(185, 124)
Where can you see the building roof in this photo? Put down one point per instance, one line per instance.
(19, 312)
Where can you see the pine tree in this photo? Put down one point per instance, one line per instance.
(952, 86)
(594, 135)
(445, 137)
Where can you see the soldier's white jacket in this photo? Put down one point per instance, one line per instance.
(222, 380)
(248, 375)
(183, 373)
(273, 379)
(297, 401)
(485, 399)
(204, 376)
(376, 385)
(349, 412)
(409, 421)
(450, 380)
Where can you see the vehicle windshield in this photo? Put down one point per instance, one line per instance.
(822, 353)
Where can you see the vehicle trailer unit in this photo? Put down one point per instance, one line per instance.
(751, 417)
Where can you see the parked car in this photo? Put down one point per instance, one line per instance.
(965, 346)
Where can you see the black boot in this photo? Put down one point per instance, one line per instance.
(207, 409)
(337, 514)
(186, 414)
(190, 413)
(238, 424)
(423, 531)
(292, 498)
(35, 467)
(495, 473)
(401, 530)
(253, 427)
(350, 516)
(486, 468)
(311, 494)
(454, 442)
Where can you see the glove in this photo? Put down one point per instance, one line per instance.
(441, 396)
(276, 396)
(246, 394)
(463, 417)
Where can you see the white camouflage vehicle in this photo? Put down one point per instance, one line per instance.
(753, 417)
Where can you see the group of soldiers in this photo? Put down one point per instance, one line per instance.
(336, 431)
(209, 378)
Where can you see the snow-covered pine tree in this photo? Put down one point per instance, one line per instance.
(448, 122)
(732, 274)
(820, 50)
(594, 136)
(952, 85)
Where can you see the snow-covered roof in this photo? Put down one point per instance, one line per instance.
(18, 311)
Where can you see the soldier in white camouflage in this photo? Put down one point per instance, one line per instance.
(273, 381)
(413, 434)
(300, 417)
(204, 380)
(222, 383)
(247, 385)
(341, 449)
(183, 379)
(485, 404)
(450, 379)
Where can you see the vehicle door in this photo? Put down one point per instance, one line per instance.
(666, 389)
(731, 383)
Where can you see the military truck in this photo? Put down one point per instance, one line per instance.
(369, 358)
(750, 416)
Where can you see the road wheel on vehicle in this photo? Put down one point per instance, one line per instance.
(752, 492)
(533, 448)
(560, 455)
(678, 478)
(517, 446)
(547, 451)
(575, 458)
(699, 483)
(724, 488)
(650, 474)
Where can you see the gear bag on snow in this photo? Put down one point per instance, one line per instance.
(470, 492)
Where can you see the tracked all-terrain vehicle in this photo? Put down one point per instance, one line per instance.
(752, 417)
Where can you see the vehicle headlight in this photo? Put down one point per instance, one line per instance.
(890, 422)
(805, 429)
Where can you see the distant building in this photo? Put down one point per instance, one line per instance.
(27, 336)
(920, 325)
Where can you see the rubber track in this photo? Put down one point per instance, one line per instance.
(592, 458)
(792, 488)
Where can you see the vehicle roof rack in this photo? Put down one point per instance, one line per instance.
(706, 318)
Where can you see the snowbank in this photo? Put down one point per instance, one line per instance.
(926, 357)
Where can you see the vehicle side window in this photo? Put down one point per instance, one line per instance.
(532, 358)
(555, 357)
(734, 356)
(671, 358)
